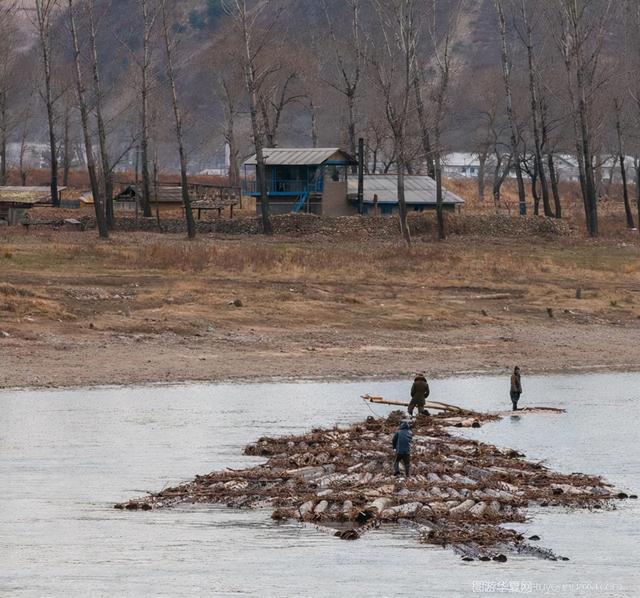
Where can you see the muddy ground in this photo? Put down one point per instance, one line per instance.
(146, 307)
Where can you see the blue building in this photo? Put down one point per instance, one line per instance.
(311, 180)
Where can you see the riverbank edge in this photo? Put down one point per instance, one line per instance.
(440, 375)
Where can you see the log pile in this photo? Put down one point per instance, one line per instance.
(459, 493)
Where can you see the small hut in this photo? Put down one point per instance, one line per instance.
(15, 201)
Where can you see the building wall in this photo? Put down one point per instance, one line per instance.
(388, 209)
(12, 215)
(334, 199)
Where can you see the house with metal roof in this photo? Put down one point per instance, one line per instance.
(380, 194)
(312, 180)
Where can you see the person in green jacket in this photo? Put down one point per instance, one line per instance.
(419, 394)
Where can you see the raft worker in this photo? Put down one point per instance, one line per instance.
(402, 444)
(419, 394)
(516, 387)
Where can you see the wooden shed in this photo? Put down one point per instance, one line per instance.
(15, 201)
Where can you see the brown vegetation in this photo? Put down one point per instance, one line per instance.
(244, 306)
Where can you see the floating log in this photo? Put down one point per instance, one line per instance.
(459, 494)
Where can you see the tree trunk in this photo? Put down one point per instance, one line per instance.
(553, 176)
(506, 75)
(314, 124)
(43, 14)
(251, 85)
(3, 137)
(439, 199)
(101, 221)
(107, 175)
(533, 97)
(623, 170)
(66, 163)
(402, 205)
(186, 200)
(234, 156)
(534, 192)
(146, 177)
(638, 190)
(482, 162)
(424, 129)
(625, 194)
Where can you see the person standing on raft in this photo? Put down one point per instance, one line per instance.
(419, 394)
(401, 442)
(516, 387)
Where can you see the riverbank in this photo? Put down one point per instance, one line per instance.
(145, 307)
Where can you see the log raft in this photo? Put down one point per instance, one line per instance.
(459, 494)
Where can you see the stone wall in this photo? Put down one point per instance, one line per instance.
(363, 227)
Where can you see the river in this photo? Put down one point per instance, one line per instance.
(66, 456)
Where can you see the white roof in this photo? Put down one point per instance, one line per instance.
(460, 159)
(286, 156)
(417, 189)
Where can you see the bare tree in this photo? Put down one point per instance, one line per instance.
(527, 39)
(226, 59)
(25, 120)
(106, 179)
(633, 13)
(442, 45)
(44, 12)
(248, 24)
(506, 75)
(8, 79)
(349, 60)
(101, 220)
(186, 200)
(394, 64)
(231, 101)
(425, 135)
(145, 65)
(275, 95)
(583, 29)
(618, 107)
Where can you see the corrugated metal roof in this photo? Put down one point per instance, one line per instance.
(417, 189)
(285, 156)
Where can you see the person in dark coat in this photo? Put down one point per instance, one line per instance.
(419, 394)
(402, 444)
(516, 387)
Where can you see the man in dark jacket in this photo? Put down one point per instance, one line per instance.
(402, 443)
(516, 387)
(419, 394)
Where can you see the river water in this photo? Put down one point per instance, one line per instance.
(67, 455)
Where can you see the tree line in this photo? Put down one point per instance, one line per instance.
(104, 81)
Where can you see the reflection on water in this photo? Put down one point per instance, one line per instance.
(67, 456)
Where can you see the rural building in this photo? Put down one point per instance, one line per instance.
(458, 165)
(380, 194)
(310, 180)
(168, 198)
(321, 181)
(164, 199)
(15, 201)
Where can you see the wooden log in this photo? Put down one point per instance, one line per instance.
(462, 507)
